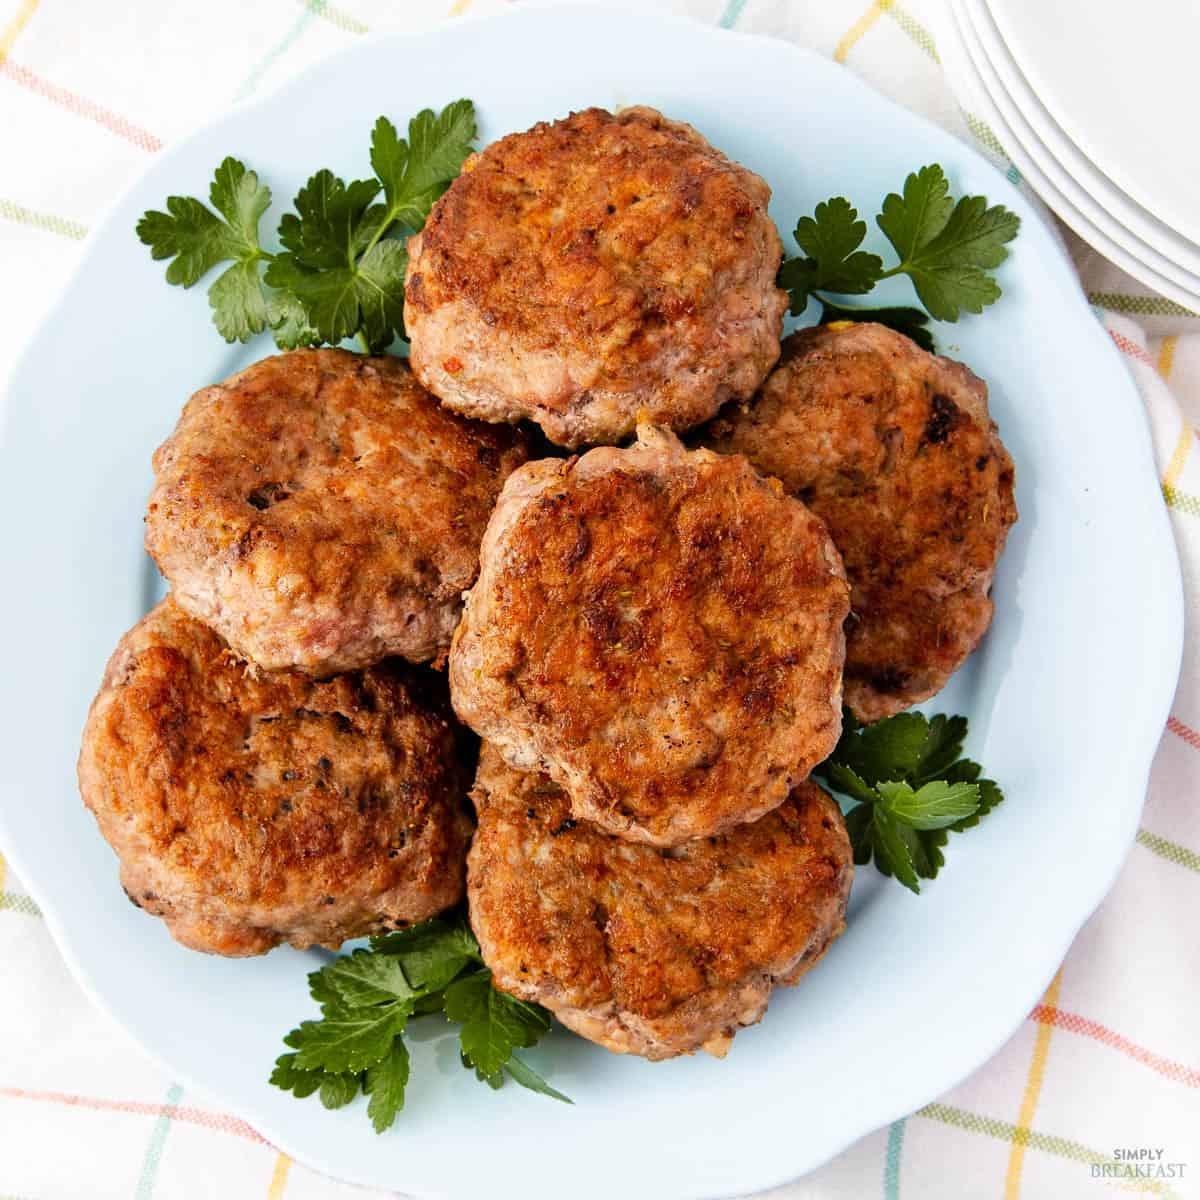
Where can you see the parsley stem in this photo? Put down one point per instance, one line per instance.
(388, 221)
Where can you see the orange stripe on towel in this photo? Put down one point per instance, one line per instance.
(221, 1122)
(1045, 1014)
(80, 106)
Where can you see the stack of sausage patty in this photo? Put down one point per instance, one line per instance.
(650, 638)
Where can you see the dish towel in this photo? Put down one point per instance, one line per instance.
(1110, 1058)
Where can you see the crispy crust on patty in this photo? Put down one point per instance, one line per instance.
(894, 448)
(321, 511)
(647, 951)
(593, 267)
(249, 809)
(660, 631)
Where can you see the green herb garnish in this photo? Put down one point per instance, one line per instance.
(947, 248)
(341, 271)
(367, 999)
(913, 789)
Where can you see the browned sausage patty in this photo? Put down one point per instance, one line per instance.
(321, 511)
(594, 267)
(648, 951)
(659, 630)
(895, 449)
(250, 809)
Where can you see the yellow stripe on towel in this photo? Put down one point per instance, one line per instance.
(1166, 356)
(12, 30)
(1033, 1090)
(1179, 457)
(279, 1177)
(854, 34)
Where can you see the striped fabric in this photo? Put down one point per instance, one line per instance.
(1110, 1057)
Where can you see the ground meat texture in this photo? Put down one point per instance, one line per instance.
(321, 511)
(661, 632)
(249, 809)
(647, 951)
(895, 450)
(592, 268)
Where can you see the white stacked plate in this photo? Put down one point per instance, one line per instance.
(1092, 110)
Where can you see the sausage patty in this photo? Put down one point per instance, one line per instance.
(648, 951)
(594, 267)
(321, 511)
(895, 449)
(659, 630)
(249, 809)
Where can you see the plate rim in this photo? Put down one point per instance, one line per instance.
(1052, 195)
(1149, 230)
(1087, 141)
(1136, 776)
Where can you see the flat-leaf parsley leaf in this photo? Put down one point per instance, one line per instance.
(414, 173)
(830, 238)
(196, 239)
(494, 1024)
(947, 248)
(385, 1083)
(911, 788)
(346, 1039)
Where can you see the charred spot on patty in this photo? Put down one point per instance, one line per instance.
(943, 420)
(267, 494)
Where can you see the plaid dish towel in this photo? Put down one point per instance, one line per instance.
(1110, 1058)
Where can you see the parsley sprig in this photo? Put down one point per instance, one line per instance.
(341, 271)
(946, 247)
(913, 789)
(367, 999)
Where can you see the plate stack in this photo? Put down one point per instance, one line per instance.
(1092, 110)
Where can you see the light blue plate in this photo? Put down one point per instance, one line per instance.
(1067, 697)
